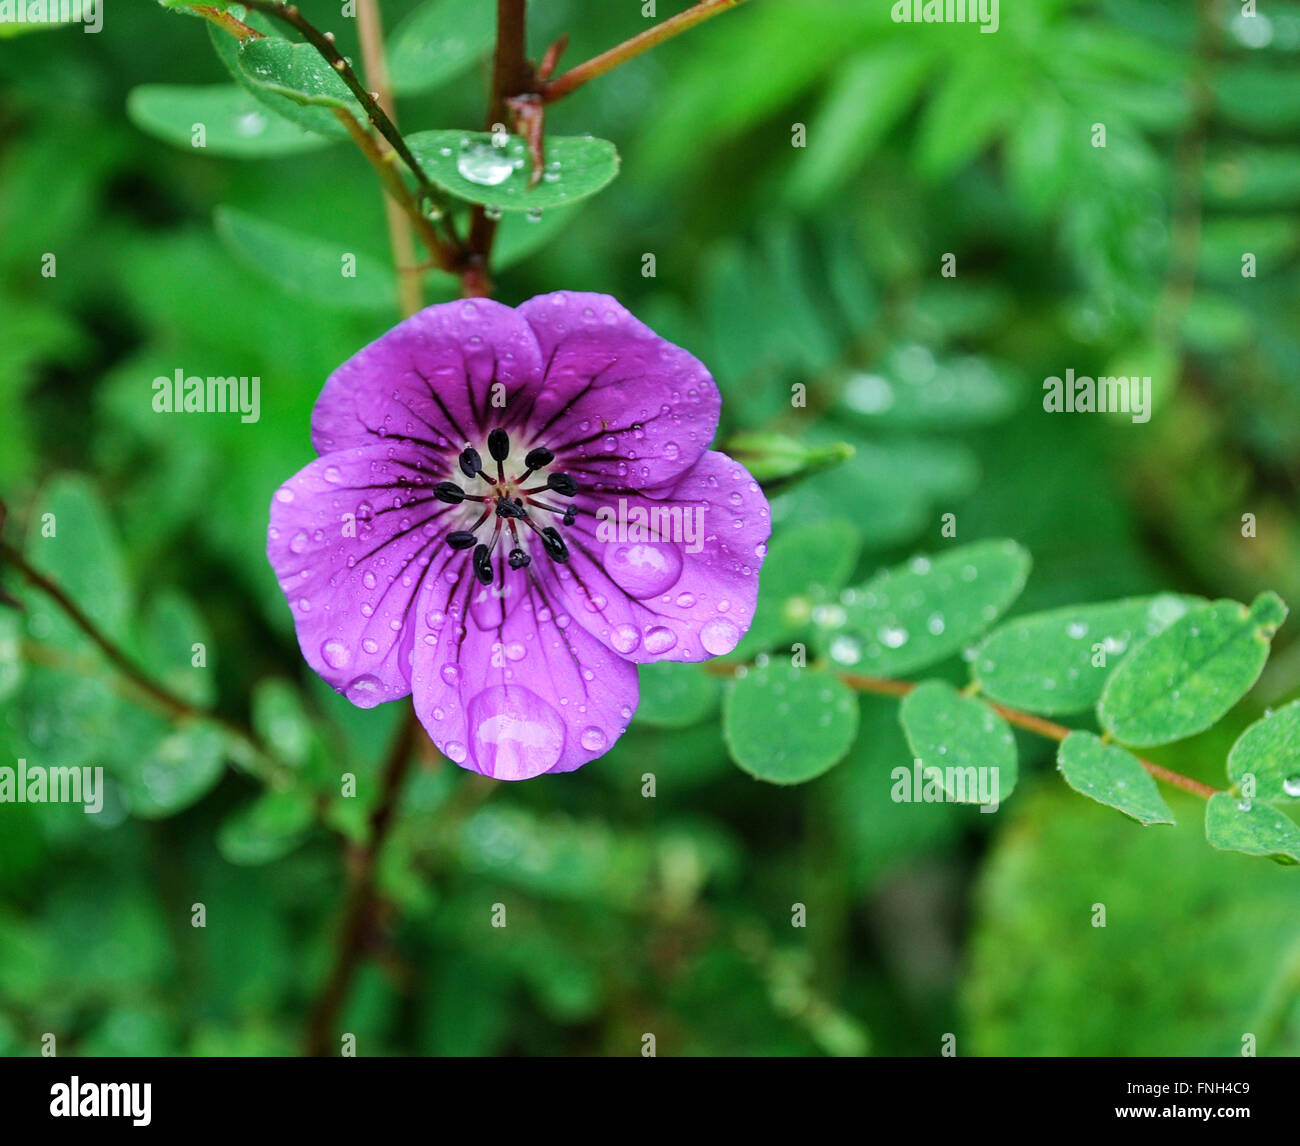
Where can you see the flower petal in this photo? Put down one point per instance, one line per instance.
(620, 406)
(429, 381)
(354, 538)
(526, 696)
(685, 593)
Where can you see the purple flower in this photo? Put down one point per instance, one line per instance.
(512, 509)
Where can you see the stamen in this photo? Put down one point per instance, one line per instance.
(449, 492)
(519, 559)
(483, 564)
(498, 444)
(460, 539)
(471, 462)
(563, 484)
(508, 508)
(554, 545)
(538, 459)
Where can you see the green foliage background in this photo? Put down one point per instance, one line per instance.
(775, 265)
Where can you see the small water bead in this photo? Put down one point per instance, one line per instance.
(370, 645)
(893, 636)
(594, 739)
(368, 579)
(1291, 786)
(336, 654)
(659, 640)
(455, 751)
(450, 674)
(624, 638)
(493, 213)
(1076, 630)
(299, 543)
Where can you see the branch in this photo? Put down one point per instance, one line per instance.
(371, 32)
(643, 42)
(359, 916)
(887, 686)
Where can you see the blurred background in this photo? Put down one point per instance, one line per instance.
(775, 264)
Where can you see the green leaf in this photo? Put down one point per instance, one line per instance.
(805, 567)
(267, 829)
(1236, 825)
(73, 541)
(919, 613)
(306, 266)
(1112, 776)
(675, 695)
(1183, 680)
(181, 769)
(279, 719)
(787, 725)
(320, 120)
(1047, 662)
(776, 459)
(296, 71)
(235, 124)
(1269, 751)
(170, 629)
(960, 742)
(11, 653)
(437, 42)
(469, 166)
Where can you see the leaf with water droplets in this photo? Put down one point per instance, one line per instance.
(922, 612)
(320, 120)
(1183, 680)
(805, 567)
(1111, 776)
(787, 725)
(295, 71)
(470, 166)
(307, 266)
(437, 42)
(1269, 752)
(675, 695)
(960, 742)
(1233, 824)
(234, 123)
(1050, 662)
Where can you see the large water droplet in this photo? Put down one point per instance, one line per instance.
(485, 165)
(643, 570)
(719, 636)
(365, 691)
(659, 640)
(594, 739)
(516, 733)
(336, 654)
(624, 638)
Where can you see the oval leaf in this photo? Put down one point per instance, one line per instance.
(234, 123)
(1111, 776)
(437, 42)
(1049, 662)
(787, 725)
(305, 265)
(180, 770)
(1236, 825)
(470, 166)
(917, 614)
(1269, 751)
(1183, 680)
(961, 743)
